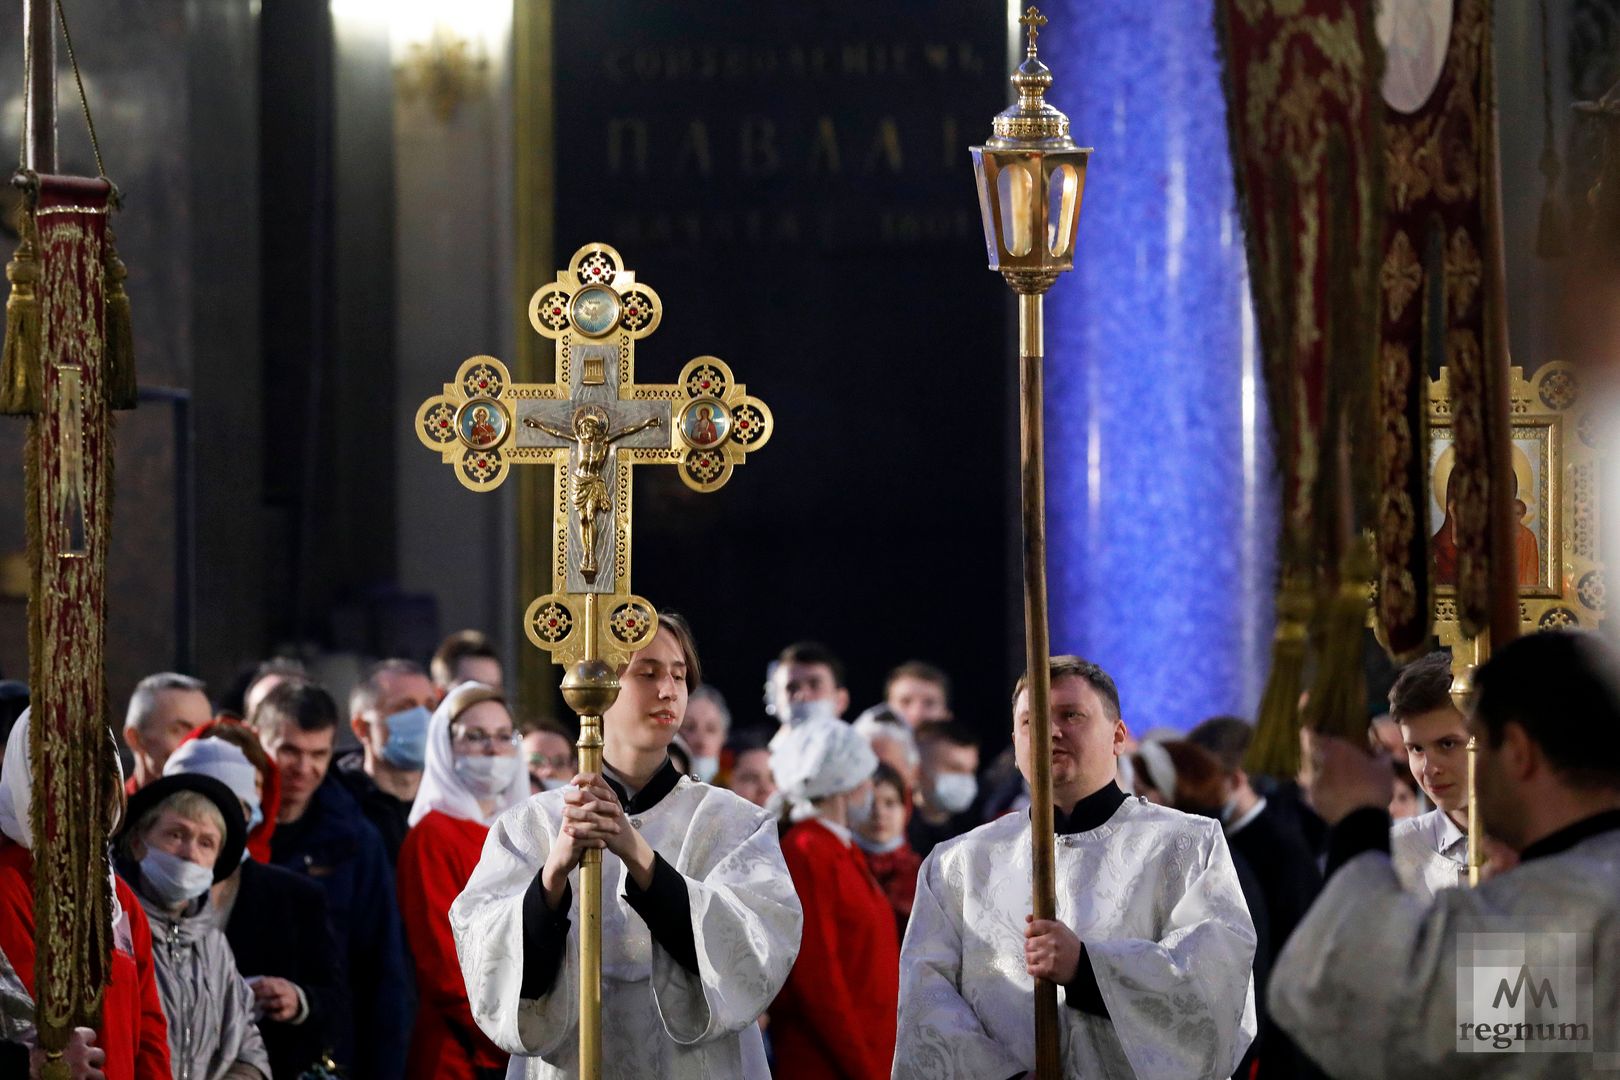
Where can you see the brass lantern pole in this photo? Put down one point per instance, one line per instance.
(1030, 177)
(1462, 695)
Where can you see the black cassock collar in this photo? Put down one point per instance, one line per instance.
(1093, 810)
(662, 783)
(1570, 835)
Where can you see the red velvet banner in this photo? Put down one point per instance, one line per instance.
(1435, 288)
(1302, 108)
(69, 467)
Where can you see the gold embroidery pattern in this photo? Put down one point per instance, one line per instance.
(69, 481)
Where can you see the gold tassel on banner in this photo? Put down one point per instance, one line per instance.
(20, 372)
(1275, 748)
(1338, 701)
(119, 331)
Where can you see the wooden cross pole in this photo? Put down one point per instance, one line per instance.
(593, 424)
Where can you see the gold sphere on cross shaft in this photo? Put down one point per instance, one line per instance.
(590, 687)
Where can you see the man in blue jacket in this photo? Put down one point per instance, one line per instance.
(321, 833)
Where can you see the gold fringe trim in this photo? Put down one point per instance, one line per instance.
(122, 387)
(1274, 750)
(21, 373)
(1338, 701)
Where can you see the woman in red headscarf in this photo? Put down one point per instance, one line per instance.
(890, 856)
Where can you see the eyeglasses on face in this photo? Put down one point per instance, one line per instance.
(463, 738)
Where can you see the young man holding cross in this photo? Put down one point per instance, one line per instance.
(1153, 944)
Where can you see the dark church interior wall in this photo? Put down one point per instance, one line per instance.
(794, 181)
(257, 156)
(258, 234)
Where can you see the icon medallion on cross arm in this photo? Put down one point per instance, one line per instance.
(593, 424)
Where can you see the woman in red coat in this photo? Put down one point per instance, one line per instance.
(472, 774)
(836, 1015)
(133, 1033)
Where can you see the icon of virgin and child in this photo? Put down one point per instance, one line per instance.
(1526, 546)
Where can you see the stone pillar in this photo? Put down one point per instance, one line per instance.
(1162, 510)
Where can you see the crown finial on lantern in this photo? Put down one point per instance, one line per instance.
(1032, 120)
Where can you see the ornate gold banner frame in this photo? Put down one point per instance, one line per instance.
(1556, 452)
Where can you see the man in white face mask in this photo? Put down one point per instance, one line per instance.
(186, 833)
(835, 1015)
(806, 682)
(947, 785)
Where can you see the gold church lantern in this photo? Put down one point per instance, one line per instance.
(1030, 176)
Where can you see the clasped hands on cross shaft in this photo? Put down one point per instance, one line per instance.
(594, 819)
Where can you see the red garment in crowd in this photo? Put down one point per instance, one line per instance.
(896, 874)
(438, 856)
(133, 1032)
(835, 1016)
(258, 841)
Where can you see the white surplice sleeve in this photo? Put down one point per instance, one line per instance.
(746, 923)
(940, 1036)
(1367, 982)
(1183, 1006)
(487, 920)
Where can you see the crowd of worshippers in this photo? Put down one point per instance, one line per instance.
(819, 896)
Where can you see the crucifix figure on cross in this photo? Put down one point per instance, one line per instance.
(592, 440)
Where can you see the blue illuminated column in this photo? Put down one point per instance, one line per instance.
(1161, 505)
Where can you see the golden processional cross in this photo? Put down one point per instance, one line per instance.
(593, 424)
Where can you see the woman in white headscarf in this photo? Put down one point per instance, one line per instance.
(835, 1016)
(472, 774)
(133, 1034)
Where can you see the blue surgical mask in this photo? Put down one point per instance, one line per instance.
(255, 817)
(169, 879)
(406, 746)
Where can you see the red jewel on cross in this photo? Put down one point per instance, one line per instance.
(705, 384)
(482, 464)
(444, 423)
(743, 424)
(556, 311)
(483, 384)
(553, 622)
(630, 624)
(632, 312)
